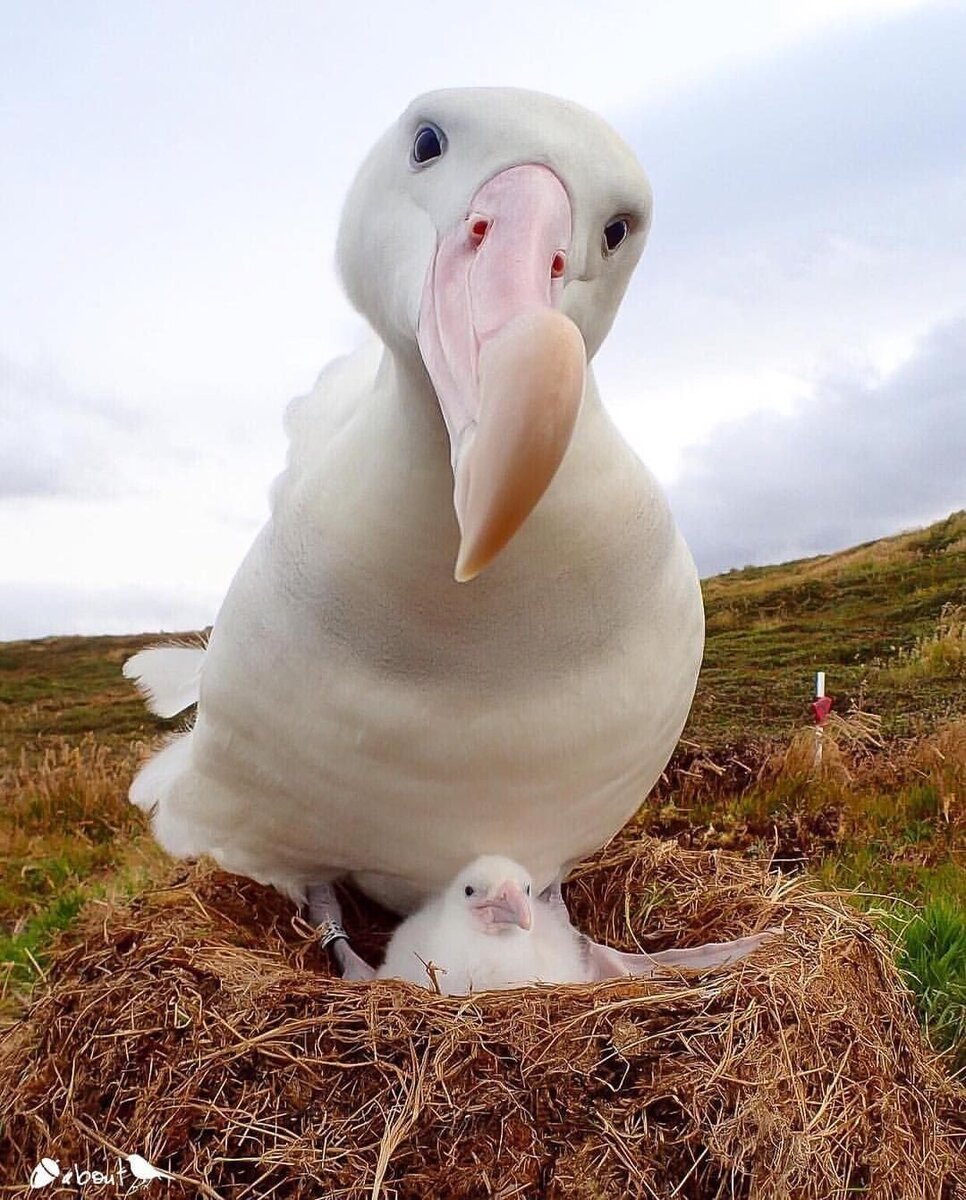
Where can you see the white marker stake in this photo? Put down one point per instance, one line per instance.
(819, 693)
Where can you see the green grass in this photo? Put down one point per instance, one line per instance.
(932, 957)
(68, 888)
(70, 686)
(24, 950)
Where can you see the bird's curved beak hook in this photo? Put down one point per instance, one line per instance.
(508, 367)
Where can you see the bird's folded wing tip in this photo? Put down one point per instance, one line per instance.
(169, 677)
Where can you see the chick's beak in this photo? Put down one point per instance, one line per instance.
(508, 904)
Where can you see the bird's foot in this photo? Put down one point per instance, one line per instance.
(325, 912)
(607, 963)
(351, 966)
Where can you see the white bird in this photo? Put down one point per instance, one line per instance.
(143, 1170)
(361, 711)
(487, 930)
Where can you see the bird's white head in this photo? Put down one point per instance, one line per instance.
(489, 237)
(494, 895)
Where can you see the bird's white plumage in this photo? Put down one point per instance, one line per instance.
(169, 677)
(469, 957)
(361, 712)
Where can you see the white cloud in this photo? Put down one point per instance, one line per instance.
(810, 215)
(55, 441)
(862, 458)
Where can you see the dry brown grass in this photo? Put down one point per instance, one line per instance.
(941, 652)
(78, 786)
(197, 1026)
(858, 774)
(851, 766)
(66, 828)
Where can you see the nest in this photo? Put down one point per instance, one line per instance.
(199, 1027)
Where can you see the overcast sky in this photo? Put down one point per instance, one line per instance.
(790, 359)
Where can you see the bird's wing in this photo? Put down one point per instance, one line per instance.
(419, 939)
(169, 677)
(559, 950)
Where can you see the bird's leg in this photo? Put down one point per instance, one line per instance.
(325, 913)
(553, 895)
(607, 963)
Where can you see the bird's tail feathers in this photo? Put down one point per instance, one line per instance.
(169, 677)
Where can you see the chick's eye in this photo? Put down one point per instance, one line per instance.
(468, 890)
(528, 889)
(428, 145)
(615, 233)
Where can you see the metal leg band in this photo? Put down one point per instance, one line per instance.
(331, 931)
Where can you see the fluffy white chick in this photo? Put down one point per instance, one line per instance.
(487, 930)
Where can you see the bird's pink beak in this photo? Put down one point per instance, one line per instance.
(508, 368)
(508, 905)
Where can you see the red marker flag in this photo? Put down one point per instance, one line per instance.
(821, 708)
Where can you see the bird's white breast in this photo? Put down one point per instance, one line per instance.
(362, 712)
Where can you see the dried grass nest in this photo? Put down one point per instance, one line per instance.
(199, 1027)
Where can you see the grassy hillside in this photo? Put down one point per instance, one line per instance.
(883, 812)
(866, 616)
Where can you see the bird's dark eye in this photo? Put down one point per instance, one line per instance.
(615, 233)
(468, 890)
(428, 145)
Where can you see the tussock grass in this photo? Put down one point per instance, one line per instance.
(881, 818)
(203, 1028)
(939, 653)
(78, 788)
(906, 795)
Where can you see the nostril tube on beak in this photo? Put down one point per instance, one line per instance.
(558, 265)
(478, 227)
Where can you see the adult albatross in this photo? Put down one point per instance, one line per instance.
(470, 625)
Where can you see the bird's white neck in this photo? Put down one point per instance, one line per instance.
(379, 488)
(365, 529)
